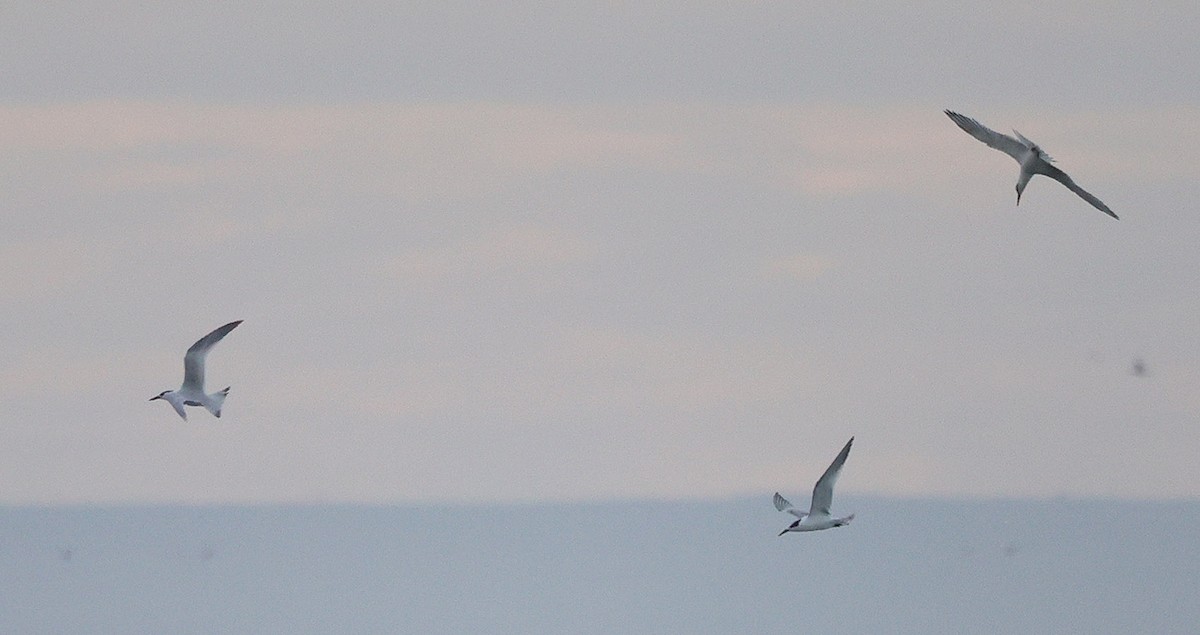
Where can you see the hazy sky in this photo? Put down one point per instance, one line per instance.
(593, 251)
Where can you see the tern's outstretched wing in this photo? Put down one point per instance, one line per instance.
(822, 497)
(1061, 177)
(178, 406)
(193, 362)
(783, 505)
(1001, 142)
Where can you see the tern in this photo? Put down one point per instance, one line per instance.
(818, 516)
(1139, 368)
(1032, 158)
(191, 393)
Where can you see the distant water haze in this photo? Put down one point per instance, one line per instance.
(904, 566)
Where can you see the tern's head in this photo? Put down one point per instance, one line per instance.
(791, 527)
(160, 395)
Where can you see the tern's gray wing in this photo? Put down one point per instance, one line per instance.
(193, 362)
(822, 496)
(783, 505)
(1001, 142)
(1061, 177)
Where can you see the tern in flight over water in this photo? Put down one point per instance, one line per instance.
(817, 516)
(1032, 158)
(191, 393)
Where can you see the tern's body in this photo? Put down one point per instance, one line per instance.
(1032, 158)
(818, 517)
(191, 393)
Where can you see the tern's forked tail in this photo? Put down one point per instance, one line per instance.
(216, 400)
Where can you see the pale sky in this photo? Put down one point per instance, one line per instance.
(590, 252)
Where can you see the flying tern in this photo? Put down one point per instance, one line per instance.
(191, 393)
(818, 516)
(1032, 158)
(1139, 368)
